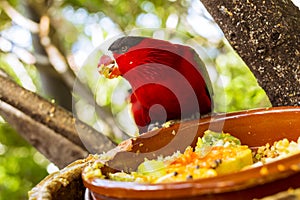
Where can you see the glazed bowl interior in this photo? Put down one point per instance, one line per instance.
(254, 128)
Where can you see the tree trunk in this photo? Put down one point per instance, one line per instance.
(266, 34)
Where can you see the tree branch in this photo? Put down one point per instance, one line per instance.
(52, 116)
(61, 152)
(266, 34)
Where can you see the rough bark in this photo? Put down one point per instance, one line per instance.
(45, 124)
(55, 147)
(266, 35)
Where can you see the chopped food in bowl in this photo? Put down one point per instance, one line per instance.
(214, 154)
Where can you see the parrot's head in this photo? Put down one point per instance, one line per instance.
(109, 67)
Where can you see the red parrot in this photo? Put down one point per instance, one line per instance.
(169, 81)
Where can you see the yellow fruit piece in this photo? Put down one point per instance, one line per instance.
(242, 158)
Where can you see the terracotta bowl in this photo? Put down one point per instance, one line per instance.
(254, 128)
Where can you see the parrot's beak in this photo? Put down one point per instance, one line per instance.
(108, 67)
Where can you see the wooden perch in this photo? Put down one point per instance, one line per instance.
(266, 34)
(55, 147)
(50, 128)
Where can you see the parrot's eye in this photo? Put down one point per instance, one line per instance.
(124, 48)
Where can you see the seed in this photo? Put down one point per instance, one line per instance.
(216, 163)
(189, 177)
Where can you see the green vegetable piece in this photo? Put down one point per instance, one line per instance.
(152, 167)
(219, 139)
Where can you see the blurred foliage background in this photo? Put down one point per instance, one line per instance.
(45, 46)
